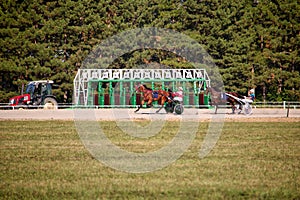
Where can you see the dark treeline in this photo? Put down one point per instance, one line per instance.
(254, 43)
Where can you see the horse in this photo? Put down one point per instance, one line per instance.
(217, 98)
(150, 96)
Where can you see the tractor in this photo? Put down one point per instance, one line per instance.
(37, 94)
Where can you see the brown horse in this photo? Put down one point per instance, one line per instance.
(150, 96)
(220, 98)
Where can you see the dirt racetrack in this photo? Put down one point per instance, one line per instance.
(128, 114)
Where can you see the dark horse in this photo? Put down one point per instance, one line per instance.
(150, 96)
(220, 98)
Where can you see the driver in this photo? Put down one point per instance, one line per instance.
(251, 94)
(178, 95)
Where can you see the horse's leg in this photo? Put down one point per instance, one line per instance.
(240, 108)
(231, 102)
(149, 103)
(159, 109)
(162, 105)
(233, 108)
(216, 108)
(140, 106)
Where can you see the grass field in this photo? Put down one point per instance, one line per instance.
(252, 160)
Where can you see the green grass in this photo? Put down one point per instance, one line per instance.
(46, 160)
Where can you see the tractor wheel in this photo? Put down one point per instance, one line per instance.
(50, 103)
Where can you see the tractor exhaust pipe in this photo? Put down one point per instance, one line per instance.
(22, 91)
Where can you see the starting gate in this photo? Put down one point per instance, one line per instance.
(117, 87)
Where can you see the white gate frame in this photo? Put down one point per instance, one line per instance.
(83, 76)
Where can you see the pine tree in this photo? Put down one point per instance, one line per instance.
(255, 45)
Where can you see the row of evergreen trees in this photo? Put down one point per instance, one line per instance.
(254, 43)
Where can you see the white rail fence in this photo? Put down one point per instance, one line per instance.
(279, 104)
(255, 105)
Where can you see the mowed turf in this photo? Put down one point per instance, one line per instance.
(47, 160)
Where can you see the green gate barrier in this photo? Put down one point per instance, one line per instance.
(116, 93)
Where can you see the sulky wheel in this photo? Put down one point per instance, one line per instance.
(178, 109)
(50, 103)
(247, 109)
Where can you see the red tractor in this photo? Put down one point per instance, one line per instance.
(38, 93)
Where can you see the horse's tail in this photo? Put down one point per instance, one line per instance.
(147, 88)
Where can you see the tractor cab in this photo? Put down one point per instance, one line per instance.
(38, 90)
